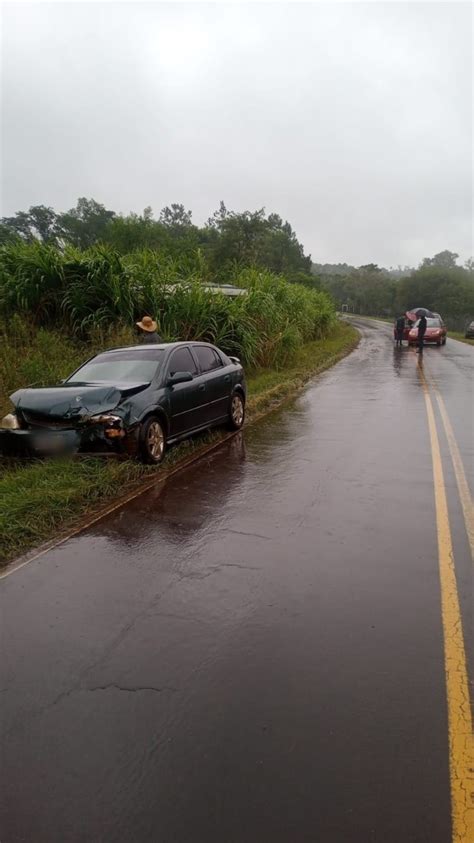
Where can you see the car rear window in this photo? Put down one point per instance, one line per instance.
(208, 358)
(430, 323)
(138, 365)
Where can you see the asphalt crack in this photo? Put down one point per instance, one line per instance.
(131, 689)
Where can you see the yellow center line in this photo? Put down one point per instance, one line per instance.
(461, 480)
(457, 691)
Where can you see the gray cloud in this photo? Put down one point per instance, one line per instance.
(353, 121)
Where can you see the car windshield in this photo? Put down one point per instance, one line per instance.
(120, 366)
(430, 323)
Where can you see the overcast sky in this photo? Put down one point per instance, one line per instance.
(352, 121)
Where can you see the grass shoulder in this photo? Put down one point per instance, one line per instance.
(457, 335)
(45, 499)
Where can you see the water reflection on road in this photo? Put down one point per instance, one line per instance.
(253, 650)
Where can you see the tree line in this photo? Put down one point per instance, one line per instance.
(439, 284)
(228, 242)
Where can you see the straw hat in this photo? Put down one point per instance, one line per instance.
(147, 324)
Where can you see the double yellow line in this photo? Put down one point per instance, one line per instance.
(461, 760)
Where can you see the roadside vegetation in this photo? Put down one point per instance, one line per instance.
(72, 284)
(41, 499)
(217, 250)
(456, 335)
(88, 293)
(439, 284)
(230, 242)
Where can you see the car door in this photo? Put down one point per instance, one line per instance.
(217, 379)
(187, 400)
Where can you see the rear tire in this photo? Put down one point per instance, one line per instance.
(152, 441)
(237, 411)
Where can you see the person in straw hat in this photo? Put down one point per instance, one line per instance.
(148, 330)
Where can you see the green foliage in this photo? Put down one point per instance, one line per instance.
(39, 223)
(31, 280)
(365, 290)
(85, 224)
(439, 284)
(176, 216)
(88, 291)
(443, 260)
(251, 239)
(449, 291)
(227, 243)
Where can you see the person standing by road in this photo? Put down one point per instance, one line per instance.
(148, 330)
(399, 330)
(421, 333)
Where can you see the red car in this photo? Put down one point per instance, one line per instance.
(435, 331)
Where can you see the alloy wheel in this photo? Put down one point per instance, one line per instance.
(237, 411)
(155, 440)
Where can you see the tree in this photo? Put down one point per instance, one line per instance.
(176, 215)
(85, 224)
(7, 234)
(227, 241)
(368, 290)
(19, 225)
(218, 216)
(252, 239)
(449, 291)
(133, 232)
(444, 259)
(39, 223)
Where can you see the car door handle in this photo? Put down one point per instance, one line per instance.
(227, 378)
(202, 387)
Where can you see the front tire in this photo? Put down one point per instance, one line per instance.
(237, 411)
(152, 441)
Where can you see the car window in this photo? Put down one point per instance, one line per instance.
(208, 358)
(128, 365)
(182, 361)
(430, 323)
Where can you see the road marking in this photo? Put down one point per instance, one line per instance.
(461, 480)
(457, 689)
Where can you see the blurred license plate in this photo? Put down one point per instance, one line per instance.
(52, 443)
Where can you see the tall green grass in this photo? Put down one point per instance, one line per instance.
(90, 291)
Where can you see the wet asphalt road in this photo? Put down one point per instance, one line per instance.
(253, 652)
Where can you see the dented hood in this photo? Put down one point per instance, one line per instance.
(74, 401)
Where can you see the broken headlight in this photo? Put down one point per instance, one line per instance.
(113, 425)
(106, 418)
(10, 422)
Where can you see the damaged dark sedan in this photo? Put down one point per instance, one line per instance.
(132, 401)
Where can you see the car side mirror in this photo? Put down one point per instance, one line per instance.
(179, 377)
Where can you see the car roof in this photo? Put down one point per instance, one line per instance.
(159, 345)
